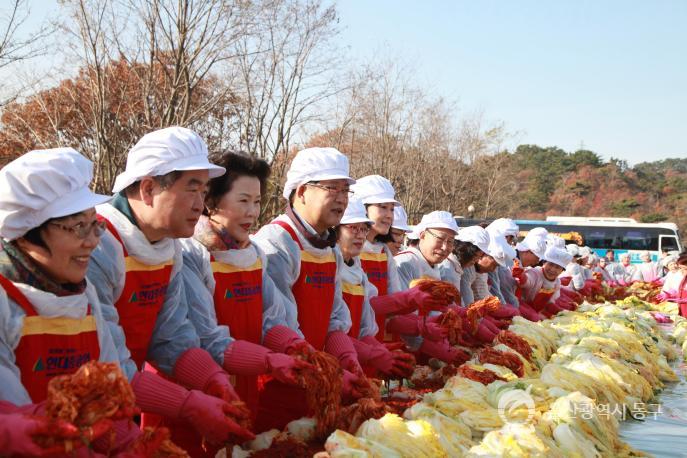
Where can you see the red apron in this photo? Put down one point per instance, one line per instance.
(682, 294)
(376, 267)
(238, 304)
(542, 298)
(314, 294)
(50, 346)
(144, 292)
(354, 296)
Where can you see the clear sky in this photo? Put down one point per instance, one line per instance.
(608, 74)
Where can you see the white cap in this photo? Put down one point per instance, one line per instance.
(538, 232)
(413, 234)
(401, 220)
(534, 242)
(316, 164)
(624, 256)
(164, 151)
(504, 226)
(437, 220)
(375, 189)
(41, 185)
(355, 213)
(645, 256)
(573, 249)
(558, 256)
(500, 250)
(554, 240)
(476, 235)
(585, 251)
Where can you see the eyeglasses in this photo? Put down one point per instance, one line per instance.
(332, 190)
(83, 230)
(445, 241)
(397, 236)
(362, 229)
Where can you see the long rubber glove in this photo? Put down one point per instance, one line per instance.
(245, 358)
(281, 339)
(444, 351)
(403, 302)
(207, 414)
(340, 345)
(17, 431)
(396, 363)
(195, 369)
(415, 325)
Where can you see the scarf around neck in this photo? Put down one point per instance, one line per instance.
(315, 240)
(214, 237)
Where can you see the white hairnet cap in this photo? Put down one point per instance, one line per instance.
(558, 256)
(413, 234)
(375, 189)
(645, 256)
(163, 151)
(504, 226)
(400, 219)
(534, 241)
(437, 220)
(585, 251)
(476, 235)
(573, 249)
(44, 184)
(316, 164)
(500, 250)
(355, 213)
(554, 240)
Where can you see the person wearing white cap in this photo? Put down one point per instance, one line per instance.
(600, 269)
(378, 196)
(52, 319)
(574, 269)
(501, 251)
(232, 302)
(437, 231)
(647, 271)
(532, 248)
(305, 265)
(399, 230)
(479, 238)
(412, 238)
(505, 227)
(541, 285)
(136, 269)
(358, 291)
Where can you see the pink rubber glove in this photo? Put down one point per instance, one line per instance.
(207, 414)
(341, 346)
(519, 275)
(403, 302)
(396, 363)
(124, 433)
(444, 351)
(352, 386)
(246, 358)
(486, 332)
(195, 369)
(415, 325)
(17, 431)
(281, 339)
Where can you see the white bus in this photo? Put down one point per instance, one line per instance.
(620, 235)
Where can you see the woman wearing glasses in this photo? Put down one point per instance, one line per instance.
(358, 291)
(52, 321)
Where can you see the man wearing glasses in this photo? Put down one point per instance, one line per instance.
(306, 267)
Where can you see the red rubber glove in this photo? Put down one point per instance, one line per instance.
(220, 387)
(444, 351)
(245, 358)
(394, 363)
(17, 433)
(352, 386)
(208, 415)
(341, 346)
(415, 325)
(486, 332)
(281, 339)
(519, 275)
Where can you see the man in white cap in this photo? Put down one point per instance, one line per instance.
(505, 227)
(541, 285)
(574, 268)
(437, 231)
(500, 255)
(52, 319)
(529, 252)
(648, 270)
(305, 265)
(358, 291)
(479, 238)
(137, 272)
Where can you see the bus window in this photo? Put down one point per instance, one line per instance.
(669, 243)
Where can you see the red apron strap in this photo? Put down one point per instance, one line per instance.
(114, 232)
(17, 296)
(284, 225)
